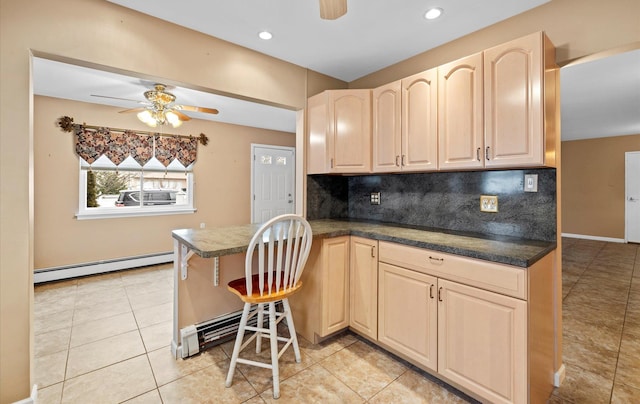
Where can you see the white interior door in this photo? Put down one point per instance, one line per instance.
(273, 181)
(632, 193)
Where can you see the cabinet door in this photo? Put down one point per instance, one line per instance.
(349, 137)
(317, 155)
(460, 126)
(483, 342)
(335, 285)
(407, 314)
(363, 284)
(420, 121)
(513, 106)
(386, 102)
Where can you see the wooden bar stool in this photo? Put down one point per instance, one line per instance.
(282, 245)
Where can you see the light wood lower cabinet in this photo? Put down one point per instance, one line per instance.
(363, 285)
(474, 338)
(408, 314)
(482, 340)
(321, 307)
(484, 327)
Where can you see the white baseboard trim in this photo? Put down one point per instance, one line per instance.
(92, 268)
(31, 399)
(558, 377)
(176, 350)
(596, 238)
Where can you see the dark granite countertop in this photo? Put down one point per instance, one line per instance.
(506, 250)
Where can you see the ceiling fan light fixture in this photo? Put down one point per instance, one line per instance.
(265, 35)
(173, 118)
(147, 118)
(433, 13)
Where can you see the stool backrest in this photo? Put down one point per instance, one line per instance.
(283, 244)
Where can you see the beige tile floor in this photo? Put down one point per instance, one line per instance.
(105, 339)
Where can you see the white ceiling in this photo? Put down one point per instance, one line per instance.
(601, 97)
(372, 35)
(62, 80)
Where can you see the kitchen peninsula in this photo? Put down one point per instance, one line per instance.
(486, 325)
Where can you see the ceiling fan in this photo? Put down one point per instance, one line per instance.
(332, 9)
(161, 108)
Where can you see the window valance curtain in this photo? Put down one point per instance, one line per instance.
(93, 142)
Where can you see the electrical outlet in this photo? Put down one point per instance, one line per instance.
(531, 183)
(375, 198)
(488, 203)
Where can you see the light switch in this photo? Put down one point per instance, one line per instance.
(531, 183)
(375, 198)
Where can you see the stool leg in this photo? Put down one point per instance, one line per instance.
(273, 335)
(261, 325)
(238, 344)
(292, 329)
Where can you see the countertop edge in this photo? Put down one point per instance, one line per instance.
(182, 235)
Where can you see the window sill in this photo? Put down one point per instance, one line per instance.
(135, 212)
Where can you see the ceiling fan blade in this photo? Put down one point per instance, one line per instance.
(128, 111)
(118, 98)
(332, 9)
(196, 109)
(182, 116)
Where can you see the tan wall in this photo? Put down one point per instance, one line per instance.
(576, 27)
(98, 33)
(222, 175)
(593, 185)
(317, 83)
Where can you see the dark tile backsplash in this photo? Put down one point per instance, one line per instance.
(327, 197)
(448, 201)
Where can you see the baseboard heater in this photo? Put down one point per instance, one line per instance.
(98, 267)
(198, 337)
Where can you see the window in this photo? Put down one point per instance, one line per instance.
(132, 190)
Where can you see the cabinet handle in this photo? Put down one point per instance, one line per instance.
(486, 154)
(373, 251)
(440, 294)
(436, 259)
(431, 291)
(397, 161)
(478, 154)
(331, 162)
(403, 160)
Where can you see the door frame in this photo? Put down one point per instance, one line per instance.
(253, 173)
(626, 193)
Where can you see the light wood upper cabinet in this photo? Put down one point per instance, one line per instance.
(339, 132)
(482, 342)
(420, 121)
(460, 123)
(387, 107)
(363, 285)
(494, 109)
(514, 102)
(405, 130)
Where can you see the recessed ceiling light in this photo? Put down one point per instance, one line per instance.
(266, 35)
(433, 13)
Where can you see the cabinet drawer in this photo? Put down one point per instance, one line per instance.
(500, 278)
